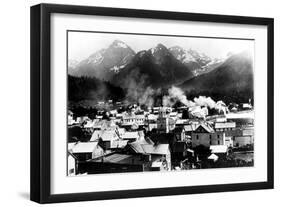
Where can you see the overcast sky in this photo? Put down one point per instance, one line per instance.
(82, 44)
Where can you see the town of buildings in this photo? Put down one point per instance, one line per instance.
(159, 139)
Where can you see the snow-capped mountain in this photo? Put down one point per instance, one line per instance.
(159, 65)
(199, 63)
(155, 67)
(201, 58)
(234, 76)
(182, 55)
(96, 58)
(105, 63)
(72, 63)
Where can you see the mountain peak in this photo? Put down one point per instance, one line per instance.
(104, 63)
(119, 43)
(161, 46)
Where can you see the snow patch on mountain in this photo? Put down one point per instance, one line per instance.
(186, 57)
(199, 57)
(153, 50)
(121, 44)
(125, 59)
(116, 69)
(200, 62)
(96, 58)
(182, 55)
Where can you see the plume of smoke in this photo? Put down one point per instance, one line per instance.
(205, 101)
(147, 97)
(176, 94)
(221, 107)
(138, 92)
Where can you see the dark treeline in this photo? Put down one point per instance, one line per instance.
(91, 88)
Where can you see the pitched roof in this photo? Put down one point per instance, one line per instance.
(105, 135)
(115, 158)
(84, 147)
(123, 159)
(160, 149)
(206, 126)
(137, 147)
(96, 135)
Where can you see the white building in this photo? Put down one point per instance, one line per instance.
(133, 119)
(205, 135)
(87, 150)
(106, 136)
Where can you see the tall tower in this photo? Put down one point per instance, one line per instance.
(163, 121)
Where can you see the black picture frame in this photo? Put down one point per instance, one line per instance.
(40, 102)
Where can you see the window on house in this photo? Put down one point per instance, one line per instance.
(210, 136)
(218, 136)
(218, 141)
(197, 136)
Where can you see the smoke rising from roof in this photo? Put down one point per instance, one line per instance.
(176, 94)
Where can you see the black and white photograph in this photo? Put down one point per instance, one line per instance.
(156, 102)
(134, 103)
